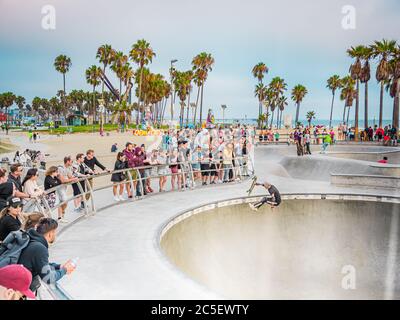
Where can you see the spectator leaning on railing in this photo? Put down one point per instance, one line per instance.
(66, 176)
(16, 171)
(35, 257)
(7, 189)
(10, 217)
(31, 188)
(79, 170)
(91, 161)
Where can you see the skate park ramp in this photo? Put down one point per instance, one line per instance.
(320, 168)
(372, 154)
(305, 249)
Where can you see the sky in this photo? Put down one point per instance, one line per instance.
(303, 42)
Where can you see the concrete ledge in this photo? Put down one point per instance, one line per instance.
(366, 180)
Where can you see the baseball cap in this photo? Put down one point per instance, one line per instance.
(17, 277)
(14, 202)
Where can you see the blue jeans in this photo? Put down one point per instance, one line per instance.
(227, 168)
(324, 146)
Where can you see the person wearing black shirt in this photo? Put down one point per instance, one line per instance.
(274, 200)
(16, 171)
(52, 181)
(7, 189)
(9, 217)
(91, 161)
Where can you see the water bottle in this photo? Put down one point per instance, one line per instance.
(74, 262)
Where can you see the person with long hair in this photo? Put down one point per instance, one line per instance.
(118, 177)
(52, 181)
(31, 188)
(10, 217)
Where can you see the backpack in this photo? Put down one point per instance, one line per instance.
(12, 246)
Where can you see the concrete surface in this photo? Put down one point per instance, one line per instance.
(296, 251)
(366, 180)
(120, 256)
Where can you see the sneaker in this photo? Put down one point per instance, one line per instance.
(121, 198)
(78, 209)
(252, 207)
(62, 220)
(82, 205)
(116, 198)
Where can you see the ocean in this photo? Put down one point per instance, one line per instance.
(335, 123)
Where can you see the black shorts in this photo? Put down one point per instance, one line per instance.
(76, 188)
(205, 167)
(213, 173)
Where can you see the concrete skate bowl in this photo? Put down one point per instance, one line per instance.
(311, 247)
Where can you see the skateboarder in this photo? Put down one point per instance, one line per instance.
(274, 200)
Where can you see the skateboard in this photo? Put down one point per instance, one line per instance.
(253, 184)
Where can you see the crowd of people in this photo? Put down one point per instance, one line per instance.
(185, 156)
(388, 135)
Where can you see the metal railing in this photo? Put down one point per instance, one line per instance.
(242, 168)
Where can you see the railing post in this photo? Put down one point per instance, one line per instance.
(91, 195)
(130, 181)
(192, 175)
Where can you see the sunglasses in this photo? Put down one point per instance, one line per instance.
(15, 206)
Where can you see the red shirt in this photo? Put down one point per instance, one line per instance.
(382, 161)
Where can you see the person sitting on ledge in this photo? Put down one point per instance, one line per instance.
(384, 160)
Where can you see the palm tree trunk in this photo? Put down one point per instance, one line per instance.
(197, 103)
(272, 119)
(297, 113)
(333, 101)
(201, 104)
(280, 120)
(396, 106)
(357, 111)
(381, 106)
(348, 113)
(344, 113)
(277, 118)
(188, 108)
(366, 106)
(140, 92)
(94, 103)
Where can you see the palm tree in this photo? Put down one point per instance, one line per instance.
(202, 65)
(62, 63)
(93, 78)
(258, 72)
(333, 84)
(277, 88)
(105, 54)
(20, 102)
(393, 85)
(365, 77)
(7, 100)
(119, 61)
(261, 93)
(356, 73)
(382, 50)
(348, 94)
(261, 119)
(310, 116)
(142, 54)
(282, 103)
(298, 94)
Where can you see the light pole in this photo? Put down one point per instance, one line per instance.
(193, 105)
(172, 88)
(223, 113)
